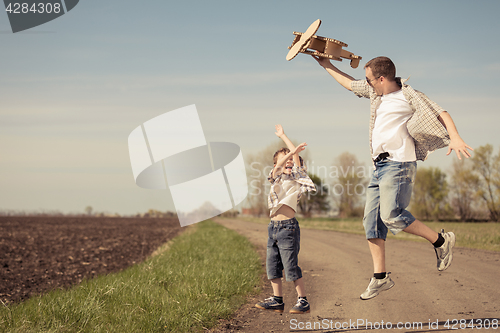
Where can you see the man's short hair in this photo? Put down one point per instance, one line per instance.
(283, 150)
(382, 66)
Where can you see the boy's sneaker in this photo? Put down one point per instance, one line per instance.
(302, 306)
(376, 286)
(271, 304)
(444, 253)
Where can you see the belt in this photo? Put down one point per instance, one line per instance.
(284, 221)
(381, 156)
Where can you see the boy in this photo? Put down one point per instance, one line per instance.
(289, 180)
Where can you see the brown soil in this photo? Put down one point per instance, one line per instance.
(38, 254)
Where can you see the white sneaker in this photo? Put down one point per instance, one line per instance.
(444, 253)
(376, 286)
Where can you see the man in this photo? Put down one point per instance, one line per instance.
(405, 126)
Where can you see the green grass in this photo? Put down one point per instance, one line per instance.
(483, 236)
(199, 277)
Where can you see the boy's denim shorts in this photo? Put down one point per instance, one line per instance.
(387, 196)
(283, 247)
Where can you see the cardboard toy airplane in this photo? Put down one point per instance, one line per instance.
(329, 48)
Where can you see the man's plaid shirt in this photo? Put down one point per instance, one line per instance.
(426, 130)
(298, 174)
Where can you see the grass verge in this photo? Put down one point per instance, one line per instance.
(197, 278)
(483, 236)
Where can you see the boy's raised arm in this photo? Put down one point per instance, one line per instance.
(280, 133)
(281, 162)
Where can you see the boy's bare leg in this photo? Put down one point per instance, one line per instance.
(299, 287)
(420, 229)
(277, 286)
(271, 303)
(377, 249)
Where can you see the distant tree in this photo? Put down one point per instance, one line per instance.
(230, 213)
(487, 167)
(464, 186)
(430, 192)
(314, 202)
(157, 214)
(88, 210)
(349, 185)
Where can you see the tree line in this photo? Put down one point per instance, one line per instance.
(470, 191)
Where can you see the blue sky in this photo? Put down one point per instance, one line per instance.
(73, 89)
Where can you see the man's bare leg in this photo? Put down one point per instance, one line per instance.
(377, 249)
(380, 280)
(443, 247)
(420, 229)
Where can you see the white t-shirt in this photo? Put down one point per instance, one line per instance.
(288, 192)
(389, 132)
(288, 189)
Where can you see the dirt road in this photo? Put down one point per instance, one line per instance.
(337, 268)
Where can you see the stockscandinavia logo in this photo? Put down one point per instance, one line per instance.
(26, 14)
(205, 179)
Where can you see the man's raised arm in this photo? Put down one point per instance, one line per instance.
(341, 77)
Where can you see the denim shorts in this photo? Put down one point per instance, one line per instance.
(283, 245)
(387, 196)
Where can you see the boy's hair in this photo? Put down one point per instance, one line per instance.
(382, 66)
(283, 150)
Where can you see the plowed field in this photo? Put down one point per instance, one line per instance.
(38, 254)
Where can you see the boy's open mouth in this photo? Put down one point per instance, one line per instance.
(288, 167)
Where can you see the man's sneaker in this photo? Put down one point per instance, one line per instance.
(271, 304)
(444, 253)
(376, 286)
(302, 306)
